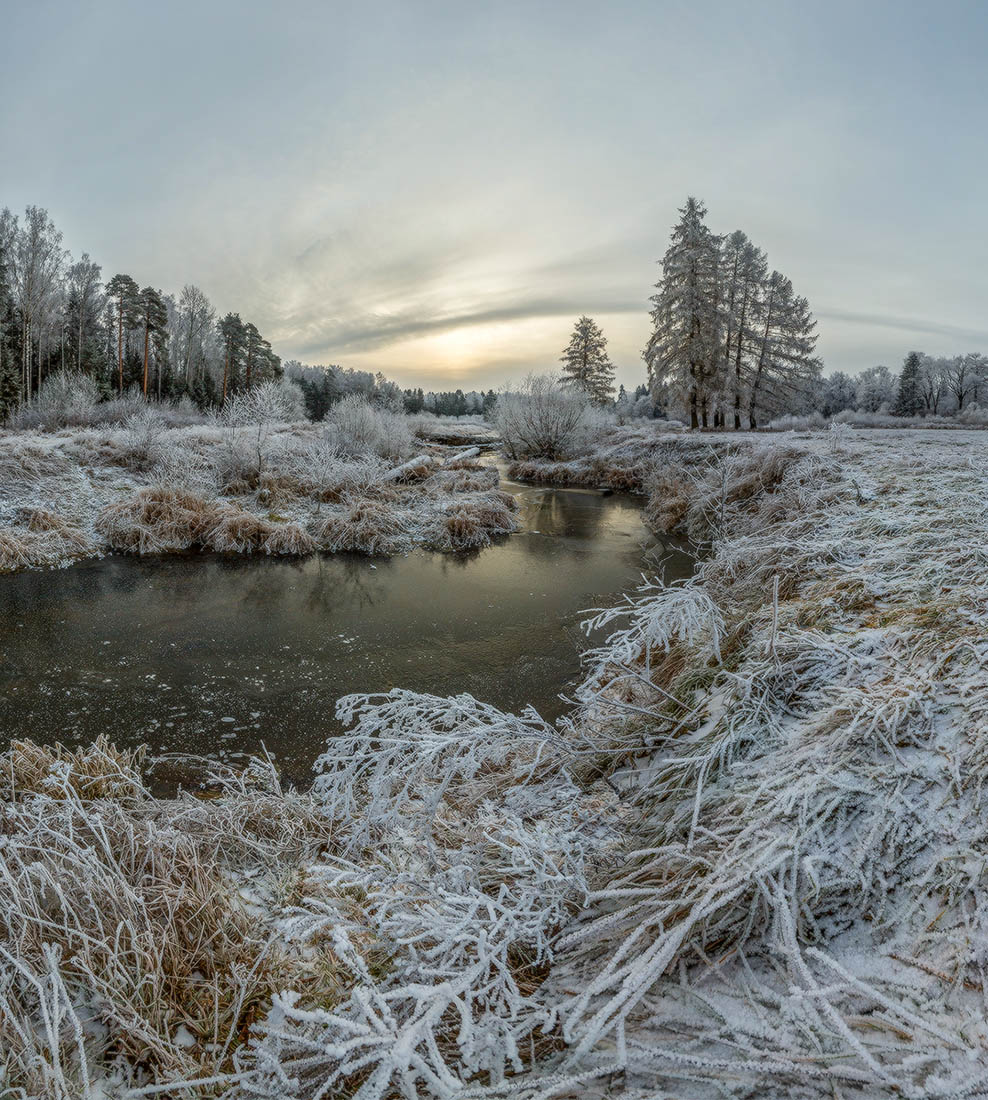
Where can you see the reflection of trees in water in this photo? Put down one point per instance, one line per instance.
(338, 579)
(574, 515)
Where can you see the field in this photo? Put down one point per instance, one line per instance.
(750, 863)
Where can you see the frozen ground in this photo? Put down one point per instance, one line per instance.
(240, 488)
(752, 864)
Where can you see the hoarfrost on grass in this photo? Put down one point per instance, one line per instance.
(751, 862)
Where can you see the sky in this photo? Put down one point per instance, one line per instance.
(438, 190)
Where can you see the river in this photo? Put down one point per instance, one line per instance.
(213, 655)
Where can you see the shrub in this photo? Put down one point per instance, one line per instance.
(142, 439)
(64, 400)
(360, 429)
(545, 420)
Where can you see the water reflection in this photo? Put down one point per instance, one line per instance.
(209, 654)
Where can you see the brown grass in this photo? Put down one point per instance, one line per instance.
(15, 549)
(238, 531)
(99, 770)
(156, 520)
(473, 521)
(364, 527)
(289, 539)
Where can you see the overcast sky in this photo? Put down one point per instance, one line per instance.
(437, 190)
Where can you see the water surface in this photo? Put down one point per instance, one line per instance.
(213, 655)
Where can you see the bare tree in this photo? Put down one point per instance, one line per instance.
(38, 259)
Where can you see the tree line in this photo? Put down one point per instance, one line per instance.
(58, 314)
(926, 386)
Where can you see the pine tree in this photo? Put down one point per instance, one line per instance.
(909, 400)
(154, 317)
(684, 351)
(127, 295)
(586, 365)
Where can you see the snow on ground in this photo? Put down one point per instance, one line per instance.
(249, 488)
(752, 863)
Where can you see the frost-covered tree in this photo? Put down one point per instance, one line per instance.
(586, 365)
(195, 320)
(876, 389)
(909, 401)
(931, 383)
(84, 306)
(964, 376)
(35, 274)
(836, 393)
(744, 270)
(785, 368)
(684, 350)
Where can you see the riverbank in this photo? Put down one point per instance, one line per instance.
(251, 488)
(751, 864)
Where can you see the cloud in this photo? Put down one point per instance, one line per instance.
(374, 331)
(904, 324)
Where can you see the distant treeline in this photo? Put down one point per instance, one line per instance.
(323, 386)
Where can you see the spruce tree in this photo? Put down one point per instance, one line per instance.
(586, 365)
(684, 351)
(234, 336)
(909, 400)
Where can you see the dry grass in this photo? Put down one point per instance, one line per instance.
(364, 526)
(293, 489)
(290, 540)
(237, 531)
(99, 770)
(129, 941)
(157, 520)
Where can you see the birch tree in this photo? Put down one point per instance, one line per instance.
(196, 318)
(38, 259)
(85, 302)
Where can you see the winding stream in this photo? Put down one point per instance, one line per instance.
(213, 655)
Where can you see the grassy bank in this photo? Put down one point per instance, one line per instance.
(750, 863)
(363, 484)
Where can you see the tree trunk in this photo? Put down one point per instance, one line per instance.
(694, 420)
(145, 382)
(120, 342)
(226, 372)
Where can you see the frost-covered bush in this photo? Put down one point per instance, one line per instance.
(249, 418)
(973, 416)
(274, 402)
(792, 423)
(142, 439)
(361, 428)
(64, 400)
(546, 420)
(467, 851)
